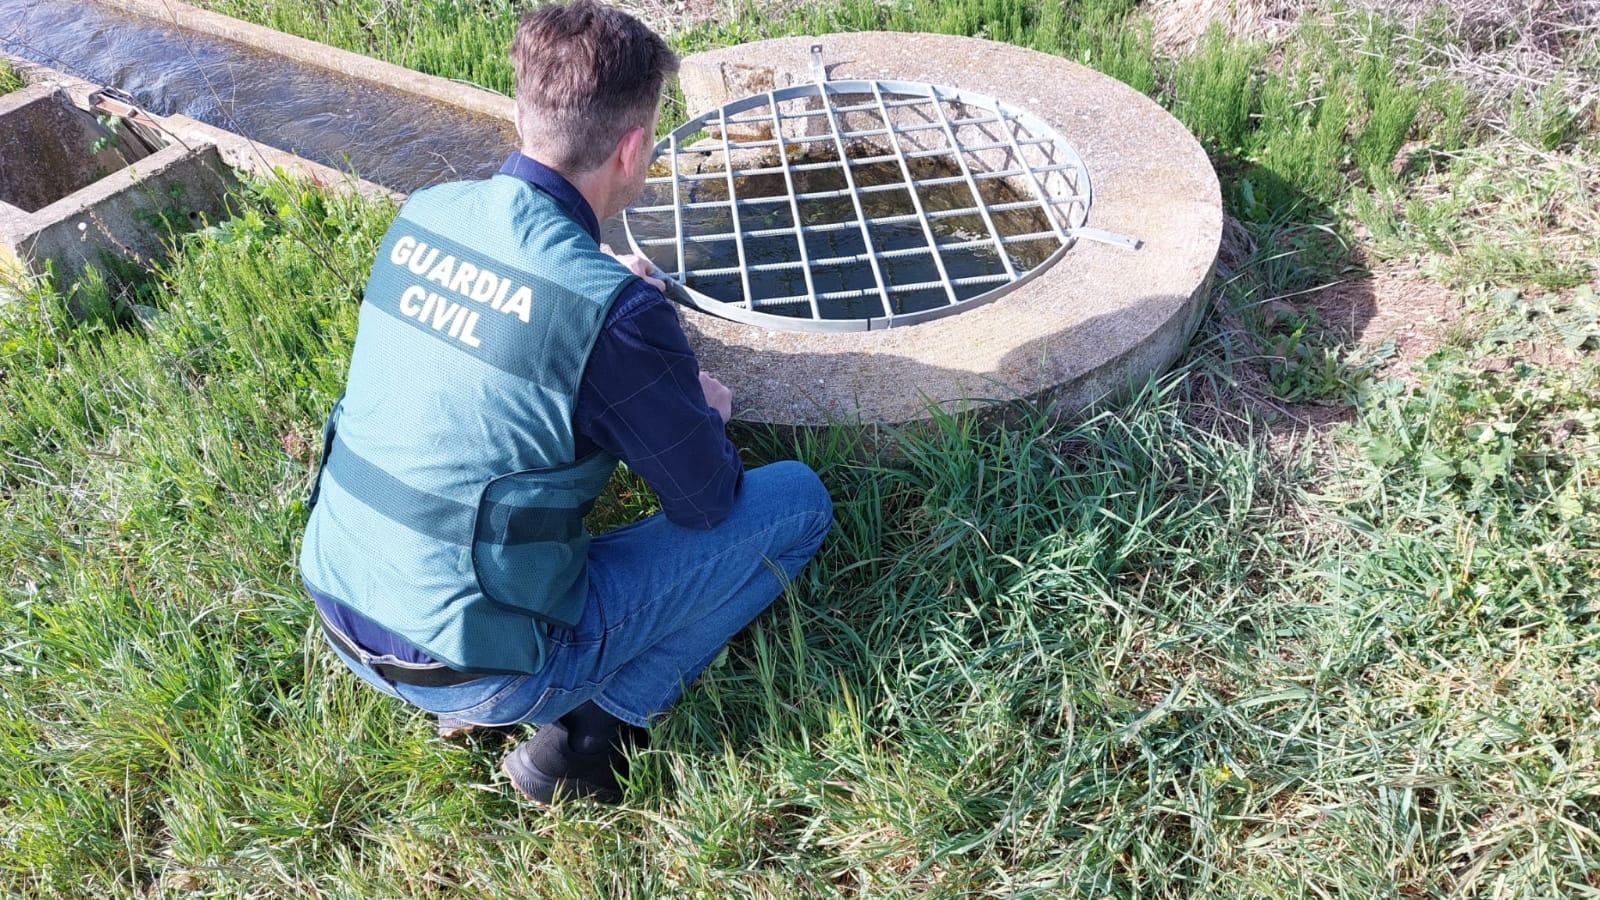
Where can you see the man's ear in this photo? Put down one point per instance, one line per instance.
(631, 150)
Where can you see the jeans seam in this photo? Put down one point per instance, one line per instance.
(538, 704)
(493, 698)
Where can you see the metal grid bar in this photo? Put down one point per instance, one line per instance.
(858, 161)
(1066, 219)
(901, 219)
(858, 133)
(893, 289)
(854, 258)
(781, 198)
(1033, 181)
(738, 233)
(972, 184)
(916, 199)
(795, 168)
(855, 199)
(1008, 206)
(808, 113)
(794, 206)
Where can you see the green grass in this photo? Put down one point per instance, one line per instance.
(1502, 212)
(9, 80)
(1149, 651)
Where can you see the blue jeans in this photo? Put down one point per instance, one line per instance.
(663, 599)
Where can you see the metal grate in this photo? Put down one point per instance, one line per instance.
(930, 233)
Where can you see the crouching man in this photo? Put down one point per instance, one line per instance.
(502, 366)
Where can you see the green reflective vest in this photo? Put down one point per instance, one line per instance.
(449, 507)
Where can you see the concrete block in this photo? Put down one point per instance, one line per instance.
(50, 148)
(129, 214)
(238, 152)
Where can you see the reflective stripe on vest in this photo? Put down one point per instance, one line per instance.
(442, 518)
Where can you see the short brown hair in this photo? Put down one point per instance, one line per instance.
(586, 73)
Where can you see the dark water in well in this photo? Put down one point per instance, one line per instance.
(854, 275)
(397, 140)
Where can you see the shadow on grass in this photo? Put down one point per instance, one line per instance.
(1285, 343)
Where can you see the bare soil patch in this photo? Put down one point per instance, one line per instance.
(1390, 305)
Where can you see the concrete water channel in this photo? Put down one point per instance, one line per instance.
(396, 139)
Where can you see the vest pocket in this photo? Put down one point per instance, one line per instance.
(529, 544)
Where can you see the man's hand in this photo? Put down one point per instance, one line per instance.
(718, 397)
(641, 267)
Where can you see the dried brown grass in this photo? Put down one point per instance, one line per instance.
(1178, 25)
(1502, 47)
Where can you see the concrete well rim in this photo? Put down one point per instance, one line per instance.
(794, 378)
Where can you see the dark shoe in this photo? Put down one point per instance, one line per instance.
(546, 766)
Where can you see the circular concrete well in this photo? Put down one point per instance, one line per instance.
(1010, 226)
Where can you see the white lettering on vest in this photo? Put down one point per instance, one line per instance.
(419, 262)
(467, 337)
(463, 279)
(486, 285)
(409, 304)
(402, 250)
(442, 272)
(442, 311)
(462, 282)
(519, 303)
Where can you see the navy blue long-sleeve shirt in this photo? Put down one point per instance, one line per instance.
(639, 400)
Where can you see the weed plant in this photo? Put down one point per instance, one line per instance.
(9, 80)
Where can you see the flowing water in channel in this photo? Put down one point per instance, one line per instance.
(397, 140)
